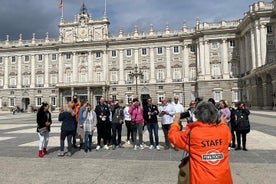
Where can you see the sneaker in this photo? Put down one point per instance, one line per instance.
(238, 148)
(151, 147)
(142, 147)
(244, 149)
(113, 147)
(120, 146)
(157, 147)
(229, 148)
(106, 147)
(98, 148)
(128, 142)
(134, 147)
(69, 154)
(61, 154)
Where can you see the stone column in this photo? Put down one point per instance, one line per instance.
(186, 63)
(105, 67)
(201, 58)
(19, 72)
(90, 66)
(32, 71)
(88, 95)
(225, 60)
(152, 69)
(168, 64)
(46, 74)
(75, 68)
(242, 56)
(136, 57)
(258, 46)
(60, 68)
(207, 61)
(253, 55)
(72, 92)
(6, 74)
(121, 67)
(263, 44)
(247, 65)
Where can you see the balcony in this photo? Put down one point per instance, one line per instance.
(114, 82)
(129, 82)
(39, 85)
(176, 80)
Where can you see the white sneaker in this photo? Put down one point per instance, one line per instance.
(135, 147)
(157, 147)
(128, 142)
(106, 147)
(142, 147)
(98, 148)
(151, 147)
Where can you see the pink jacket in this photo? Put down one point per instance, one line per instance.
(139, 117)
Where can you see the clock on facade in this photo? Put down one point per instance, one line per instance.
(83, 33)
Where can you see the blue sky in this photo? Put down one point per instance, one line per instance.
(41, 16)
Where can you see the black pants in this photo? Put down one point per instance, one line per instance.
(129, 131)
(166, 129)
(243, 133)
(233, 138)
(101, 133)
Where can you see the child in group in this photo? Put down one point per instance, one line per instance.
(89, 126)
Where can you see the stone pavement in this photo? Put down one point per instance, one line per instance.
(19, 162)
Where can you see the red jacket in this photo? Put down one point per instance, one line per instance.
(209, 157)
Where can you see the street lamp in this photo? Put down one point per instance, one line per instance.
(136, 73)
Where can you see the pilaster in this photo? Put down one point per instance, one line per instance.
(168, 64)
(19, 71)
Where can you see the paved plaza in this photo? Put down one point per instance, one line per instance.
(20, 164)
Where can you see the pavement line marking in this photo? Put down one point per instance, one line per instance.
(6, 138)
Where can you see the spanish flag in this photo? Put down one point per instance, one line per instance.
(61, 4)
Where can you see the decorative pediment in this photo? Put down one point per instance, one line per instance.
(177, 66)
(160, 67)
(40, 72)
(114, 69)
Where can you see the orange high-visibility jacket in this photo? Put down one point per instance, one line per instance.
(209, 158)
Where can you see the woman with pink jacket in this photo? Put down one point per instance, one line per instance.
(137, 116)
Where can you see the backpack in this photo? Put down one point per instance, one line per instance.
(233, 118)
(242, 121)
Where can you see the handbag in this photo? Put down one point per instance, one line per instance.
(42, 130)
(184, 166)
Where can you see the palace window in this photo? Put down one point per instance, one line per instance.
(54, 57)
(98, 76)
(68, 56)
(160, 75)
(192, 48)
(128, 52)
(113, 53)
(40, 57)
(1, 81)
(144, 51)
(1, 60)
(12, 82)
(113, 76)
(160, 97)
(26, 58)
(214, 44)
(232, 43)
(159, 50)
(68, 76)
(98, 54)
(11, 102)
(53, 101)
(13, 59)
(176, 74)
(217, 96)
(235, 96)
(176, 49)
(38, 101)
(269, 29)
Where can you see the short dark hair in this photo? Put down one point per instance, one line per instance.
(135, 100)
(206, 112)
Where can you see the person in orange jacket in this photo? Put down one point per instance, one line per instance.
(209, 157)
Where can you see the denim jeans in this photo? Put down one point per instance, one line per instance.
(69, 135)
(153, 129)
(116, 128)
(88, 140)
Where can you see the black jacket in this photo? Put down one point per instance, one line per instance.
(41, 118)
(68, 121)
(103, 110)
(153, 117)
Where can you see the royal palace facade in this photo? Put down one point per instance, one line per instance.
(230, 60)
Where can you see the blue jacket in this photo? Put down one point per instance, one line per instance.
(68, 123)
(81, 118)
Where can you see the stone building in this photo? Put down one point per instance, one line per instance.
(230, 60)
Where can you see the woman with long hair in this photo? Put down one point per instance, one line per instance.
(44, 122)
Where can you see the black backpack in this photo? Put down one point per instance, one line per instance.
(242, 120)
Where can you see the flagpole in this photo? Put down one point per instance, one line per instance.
(104, 8)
